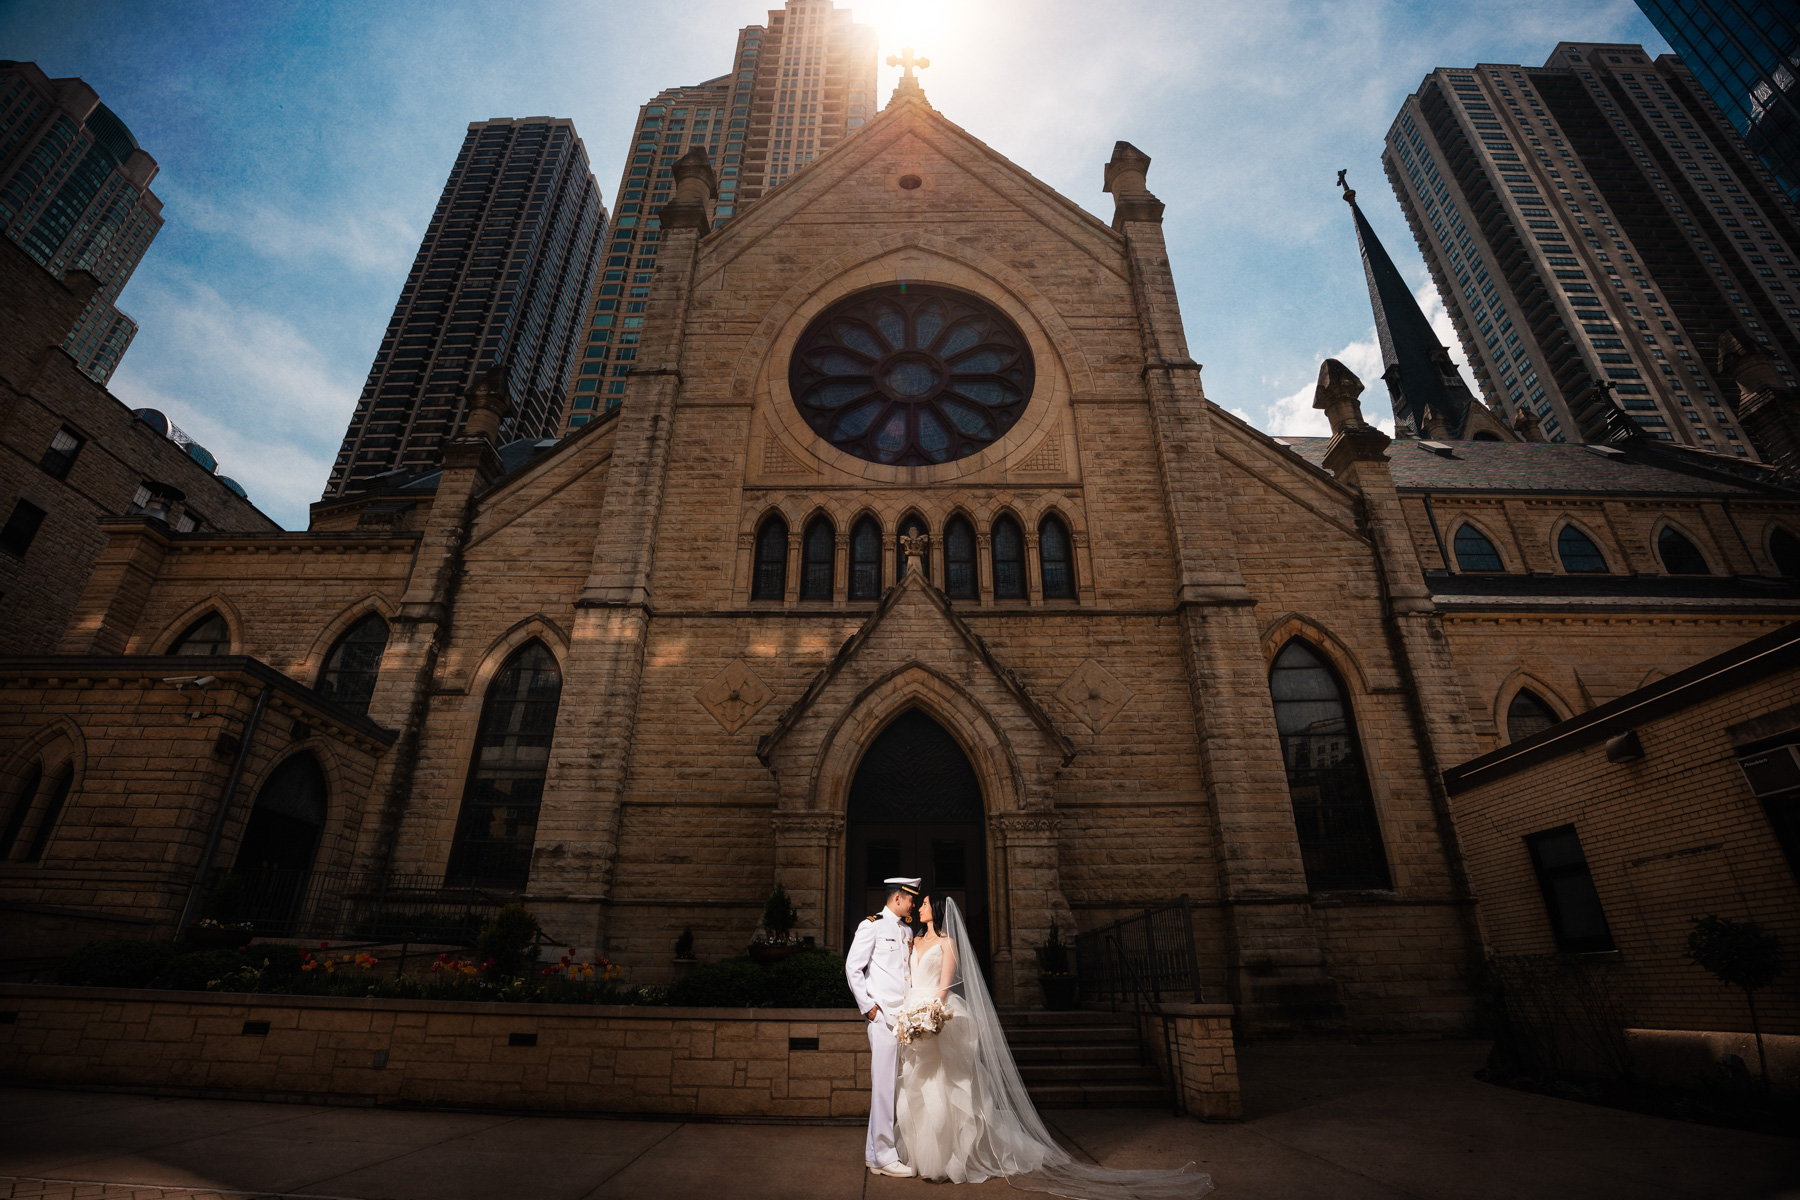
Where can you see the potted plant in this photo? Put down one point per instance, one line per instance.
(684, 954)
(777, 940)
(1058, 982)
(220, 926)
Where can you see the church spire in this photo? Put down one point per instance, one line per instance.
(1422, 379)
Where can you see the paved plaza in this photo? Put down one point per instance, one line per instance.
(1333, 1122)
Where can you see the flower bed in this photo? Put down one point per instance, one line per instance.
(810, 979)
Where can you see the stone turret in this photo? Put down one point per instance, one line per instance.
(1767, 403)
(695, 184)
(1125, 176)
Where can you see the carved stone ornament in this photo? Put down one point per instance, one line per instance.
(734, 696)
(1094, 694)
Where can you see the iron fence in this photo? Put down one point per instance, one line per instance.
(1151, 953)
(367, 906)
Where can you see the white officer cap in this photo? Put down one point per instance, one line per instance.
(909, 886)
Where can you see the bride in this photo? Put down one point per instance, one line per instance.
(962, 1113)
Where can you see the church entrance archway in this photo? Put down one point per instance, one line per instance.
(281, 838)
(915, 810)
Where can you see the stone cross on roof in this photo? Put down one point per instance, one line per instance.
(905, 59)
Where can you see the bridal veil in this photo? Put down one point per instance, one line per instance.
(1020, 1145)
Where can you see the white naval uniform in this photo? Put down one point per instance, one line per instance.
(879, 969)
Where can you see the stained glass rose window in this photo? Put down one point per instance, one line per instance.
(911, 375)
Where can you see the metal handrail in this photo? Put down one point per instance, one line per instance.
(1142, 1000)
(1163, 959)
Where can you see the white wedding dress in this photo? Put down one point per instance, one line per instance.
(961, 1112)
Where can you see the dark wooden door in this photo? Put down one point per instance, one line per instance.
(915, 811)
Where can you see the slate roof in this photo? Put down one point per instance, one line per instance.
(1633, 470)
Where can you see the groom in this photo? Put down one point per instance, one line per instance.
(880, 971)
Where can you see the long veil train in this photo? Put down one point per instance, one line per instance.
(1018, 1145)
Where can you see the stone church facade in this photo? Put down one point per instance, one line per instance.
(632, 674)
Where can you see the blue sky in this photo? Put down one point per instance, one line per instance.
(303, 145)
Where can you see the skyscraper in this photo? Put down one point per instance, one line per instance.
(1597, 219)
(1746, 54)
(75, 193)
(797, 85)
(503, 276)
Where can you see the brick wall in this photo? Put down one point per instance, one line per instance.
(1674, 835)
(688, 1062)
(41, 392)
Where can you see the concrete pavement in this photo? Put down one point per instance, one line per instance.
(1333, 1122)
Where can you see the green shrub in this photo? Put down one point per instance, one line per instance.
(191, 972)
(117, 962)
(509, 940)
(811, 979)
(729, 983)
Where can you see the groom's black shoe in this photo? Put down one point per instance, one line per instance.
(895, 1169)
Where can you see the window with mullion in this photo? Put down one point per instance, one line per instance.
(817, 551)
(498, 826)
(1334, 810)
(1054, 560)
(960, 579)
(769, 580)
(865, 560)
(1009, 560)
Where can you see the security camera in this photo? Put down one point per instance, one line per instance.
(205, 681)
(182, 682)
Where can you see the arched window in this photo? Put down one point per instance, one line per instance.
(1055, 562)
(21, 808)
(1528, 714)
(770, 581)
(1009, 560)
(818, 560)
(912, 526)
(960, 581)
(209, 635)
(1784, 548)
(506, 779)
(1334, 812)
(1578, 553)
(1474, 552)
(46, 825)
(353, 664)
(865, 559)
(1680, 556)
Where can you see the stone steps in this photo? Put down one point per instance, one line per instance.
(1081, 1059)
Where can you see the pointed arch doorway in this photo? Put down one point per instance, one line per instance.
(915, 810)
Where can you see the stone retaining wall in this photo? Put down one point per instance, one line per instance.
(579, 1058)
(1206, 1072)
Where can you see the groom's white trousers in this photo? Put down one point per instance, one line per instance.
(884, 1073)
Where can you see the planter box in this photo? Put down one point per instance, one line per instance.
(797, 1064)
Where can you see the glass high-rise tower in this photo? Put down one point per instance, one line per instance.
(75, 193)
(798, 85)
(1746, 54)
(1595, 225)
(503, 276)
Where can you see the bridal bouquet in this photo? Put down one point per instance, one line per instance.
(921, 1020)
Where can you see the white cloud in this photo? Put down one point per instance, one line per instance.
(247, 385)
(375, 240)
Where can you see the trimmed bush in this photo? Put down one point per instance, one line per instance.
(729, 983)
(117, 962)
(811, 979)
(509, 940)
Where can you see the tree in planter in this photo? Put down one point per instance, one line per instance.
(684, 945)
(1742, 954)
(779, 915)
(507, 941)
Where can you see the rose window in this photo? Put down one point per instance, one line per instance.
(911, 375)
